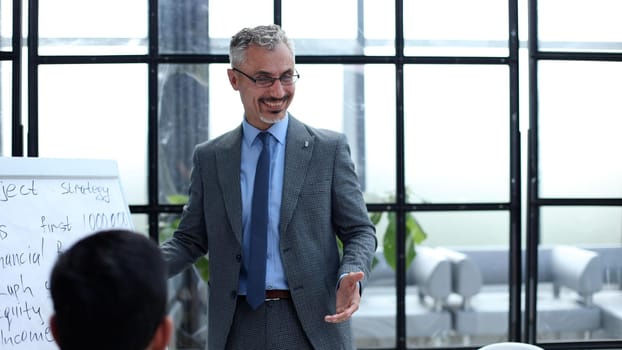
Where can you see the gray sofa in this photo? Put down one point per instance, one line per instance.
(568, 277)
(460, 296)
(427, 321)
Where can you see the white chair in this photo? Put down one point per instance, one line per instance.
(510, 346)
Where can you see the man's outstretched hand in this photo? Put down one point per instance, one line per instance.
(348, 297)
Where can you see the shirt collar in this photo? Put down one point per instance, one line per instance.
(277, 130)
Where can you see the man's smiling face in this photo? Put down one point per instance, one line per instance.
(264, 106)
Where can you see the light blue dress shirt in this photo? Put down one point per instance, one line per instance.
(251, 147)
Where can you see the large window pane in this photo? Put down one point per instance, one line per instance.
(581, 226)
(374, 323)
(188, 293)
(78, 27)
(459, 279)
(227, 17)
(97, 111)
(364, 30)
(205, 27)
(379, 27)
(141, 223)
(182, 124)
(354, 100)
(457, 133)
(6, 25)
(456, 28)
(225, 106)
(580, 25)
(580, 123)
(580, 260)
(6, 104)
(436, 314)
(465, 228)
(183, 26)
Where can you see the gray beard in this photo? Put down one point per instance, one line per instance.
(270, 121)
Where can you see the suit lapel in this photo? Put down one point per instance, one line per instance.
(228, 158)
(298, 151)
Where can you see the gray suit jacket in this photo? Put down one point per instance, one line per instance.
(321, 200)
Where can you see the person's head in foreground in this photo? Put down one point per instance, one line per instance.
(109, 291)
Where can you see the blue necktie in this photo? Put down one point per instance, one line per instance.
(256, 288)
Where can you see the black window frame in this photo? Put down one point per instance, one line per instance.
(521, 327)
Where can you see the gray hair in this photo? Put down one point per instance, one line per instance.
(267, 37)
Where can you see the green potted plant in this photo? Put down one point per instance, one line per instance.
(414, 233)
(414, 236)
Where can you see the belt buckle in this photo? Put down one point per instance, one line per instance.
(272, 299)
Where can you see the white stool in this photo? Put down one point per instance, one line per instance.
(510, 346)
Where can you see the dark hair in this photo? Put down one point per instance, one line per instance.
(109, 292)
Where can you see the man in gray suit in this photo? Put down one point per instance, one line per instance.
(313, 199)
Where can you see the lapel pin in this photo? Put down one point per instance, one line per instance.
(306, 144)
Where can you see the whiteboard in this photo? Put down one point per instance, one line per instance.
(45, 206)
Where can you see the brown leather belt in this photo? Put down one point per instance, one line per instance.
(277, 294)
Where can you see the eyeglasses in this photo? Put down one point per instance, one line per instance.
(265, 81)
